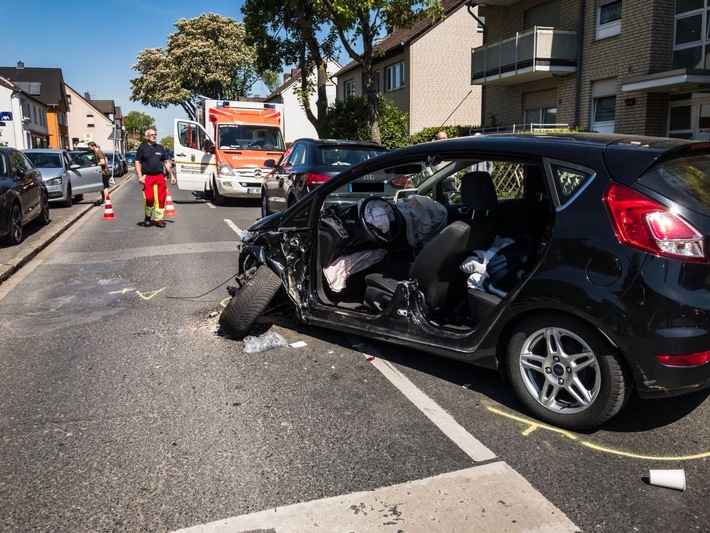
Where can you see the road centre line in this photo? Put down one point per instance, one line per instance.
(441, 419)
(234, 227)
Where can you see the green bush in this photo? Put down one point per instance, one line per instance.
(427, 134)
(347, 119)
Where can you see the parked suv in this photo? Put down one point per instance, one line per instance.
(575, 264)
(306, 164)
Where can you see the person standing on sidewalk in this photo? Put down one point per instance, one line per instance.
(105, 174)
(151, 161)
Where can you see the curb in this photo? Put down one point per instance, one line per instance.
(50, 234)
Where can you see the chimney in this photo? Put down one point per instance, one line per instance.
(20, 65)
(87, 96)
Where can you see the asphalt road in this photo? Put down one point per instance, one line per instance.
(125, 409)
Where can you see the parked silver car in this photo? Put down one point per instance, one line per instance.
(67, 176)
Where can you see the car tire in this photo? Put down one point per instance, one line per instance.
(217, 198)
(68, 202)
(78, 198)
(265, 211)
(14, 234)
(249, 302)
(565, 372)
(43, 218)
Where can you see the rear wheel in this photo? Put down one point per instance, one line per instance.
(79, 198)
(565, 372)
(43, 217)
(249, 302)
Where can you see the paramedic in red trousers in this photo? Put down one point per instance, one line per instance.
(151, 159)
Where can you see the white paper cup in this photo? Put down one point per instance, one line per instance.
(671, 479)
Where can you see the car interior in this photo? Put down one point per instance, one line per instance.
(365, 244)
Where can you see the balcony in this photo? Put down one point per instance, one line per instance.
(531, 55)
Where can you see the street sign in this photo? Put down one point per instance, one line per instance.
(5, 116)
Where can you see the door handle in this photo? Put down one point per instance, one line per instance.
(180, 155)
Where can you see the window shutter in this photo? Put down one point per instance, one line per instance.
(540, 99)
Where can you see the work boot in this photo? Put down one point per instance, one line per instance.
(146, 221)
(159, 224)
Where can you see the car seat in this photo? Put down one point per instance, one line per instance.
(436, 267)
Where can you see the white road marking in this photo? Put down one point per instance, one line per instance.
(491, 497)
(441, 419)
(234, 227)
(211, 205)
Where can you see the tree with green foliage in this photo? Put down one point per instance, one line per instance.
(136, 123)
(348, 119)
(206, 57)
(367, 20)
(284, 32)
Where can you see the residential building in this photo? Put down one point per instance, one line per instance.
(23, 118)
(425, 69)
(296, 123)
(623, 66)
(100, 121)
(46, 85)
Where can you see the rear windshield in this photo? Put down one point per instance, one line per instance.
(685, 180)
(337, 156)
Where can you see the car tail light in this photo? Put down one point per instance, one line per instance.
(313, 179)
(690, 359)
(648, 225)
(402, 183)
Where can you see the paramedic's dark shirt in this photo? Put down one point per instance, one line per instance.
(151, 158)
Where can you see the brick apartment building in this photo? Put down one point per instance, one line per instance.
(623, 66)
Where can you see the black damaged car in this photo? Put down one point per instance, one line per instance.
(576, 264)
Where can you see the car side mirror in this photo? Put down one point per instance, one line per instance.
(209, 146)
(20, 172)
(269, 163)
(74, 166)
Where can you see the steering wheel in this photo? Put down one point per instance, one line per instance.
(383, 208)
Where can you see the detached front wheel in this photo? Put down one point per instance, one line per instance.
(250, 301)
(566, 373)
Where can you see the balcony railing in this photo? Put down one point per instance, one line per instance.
(531, 55)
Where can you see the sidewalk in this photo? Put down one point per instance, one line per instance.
(37, 238)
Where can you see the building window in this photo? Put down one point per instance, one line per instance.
(89, 121)
(608, 18)
(349, 89)
(481, 19)
(604, 105)
(395, 76)
(544, 116)
(690, 45)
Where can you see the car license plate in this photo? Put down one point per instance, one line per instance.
(252, 191)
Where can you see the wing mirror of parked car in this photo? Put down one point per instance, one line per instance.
(209, 146)
(20, 172)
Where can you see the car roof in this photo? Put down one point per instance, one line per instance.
(44, 150)
(625, 157)
(341, 142)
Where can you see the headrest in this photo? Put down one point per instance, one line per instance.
(478, 192)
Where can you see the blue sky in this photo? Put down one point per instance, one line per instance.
(96, 43)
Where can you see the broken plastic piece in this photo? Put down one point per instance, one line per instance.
(268, 340)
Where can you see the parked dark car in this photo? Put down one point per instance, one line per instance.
(131, 157)
(116, 164)
(67, 179)
(576, 264)
(306, 164)
(23, 195)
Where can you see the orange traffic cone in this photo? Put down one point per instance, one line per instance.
(169, 207)
(108, 210)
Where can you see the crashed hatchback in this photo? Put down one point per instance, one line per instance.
(576, 264)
